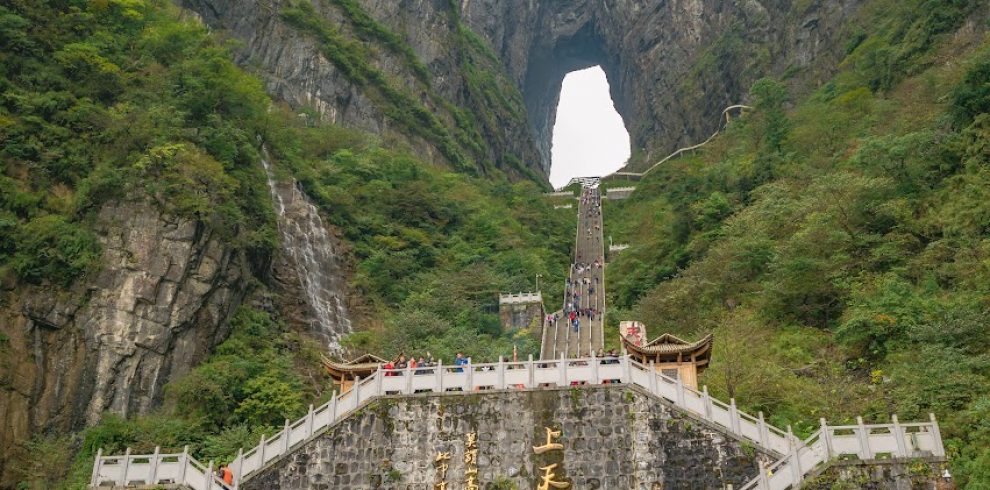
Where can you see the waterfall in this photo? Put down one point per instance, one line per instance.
(313, 253)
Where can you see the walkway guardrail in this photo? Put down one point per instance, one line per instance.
(520, 298)
(860, 441)
(532, 374)
(154, 469)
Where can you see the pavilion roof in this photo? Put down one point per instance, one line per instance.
(361, 365)
(669, 344)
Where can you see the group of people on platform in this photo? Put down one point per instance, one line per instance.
(398, 365)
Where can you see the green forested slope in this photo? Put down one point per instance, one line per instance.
(837, 244)
(125, 99)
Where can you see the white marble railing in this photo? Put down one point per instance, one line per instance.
(520, 298)
(154, 469)
(860, 441)
(528, 374)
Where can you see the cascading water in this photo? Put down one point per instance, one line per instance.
(313, 252)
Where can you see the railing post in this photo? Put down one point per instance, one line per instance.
(826, 437)
(680, 392)
(285, 436)
(864, 440)
(468, 376)
(761, 425)
(733, 416)
(937, 435)
(654, 383)
(594, 369)
(356, 390)
(309, 421)
(797, 473)
(209, 476)
(500, 374)
(261, 452)
(240, 466)
(409, 382)
(626, 369)
(707, 400)
(439, 375)
(184, 463)
(531, 372)
(127, 466)
(379, 380)
(898, 432)
(562, 371)
(154, 467)
(333, 407)
(97, 466)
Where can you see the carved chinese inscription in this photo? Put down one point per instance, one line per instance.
(471, 462)
(440, 463)
(548, 479)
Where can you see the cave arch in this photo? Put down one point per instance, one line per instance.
(589, 136)
(585, 48)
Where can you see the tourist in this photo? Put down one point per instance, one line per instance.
(401, 365)
(460, 360)
(389, 367)
(227, 474)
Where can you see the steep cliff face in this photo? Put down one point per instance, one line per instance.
(155, 309)
(673, 66)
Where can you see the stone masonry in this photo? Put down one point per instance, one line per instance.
(613, 437)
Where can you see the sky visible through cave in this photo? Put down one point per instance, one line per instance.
(589, 138)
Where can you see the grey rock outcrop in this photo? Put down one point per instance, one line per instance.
(672, 65)
(153, 311)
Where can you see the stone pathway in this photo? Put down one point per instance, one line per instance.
(587, 281)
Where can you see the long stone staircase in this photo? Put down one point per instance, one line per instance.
(796, 458)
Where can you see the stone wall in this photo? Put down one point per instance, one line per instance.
(522, 315)
(889, 474)
(614, 437)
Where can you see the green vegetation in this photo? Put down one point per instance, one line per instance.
(117, 100)
(836, 246)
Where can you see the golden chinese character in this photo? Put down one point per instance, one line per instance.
(472, 439)
(550, 445)
(547, 479)
(440, 486)
(441, 457)
(471, 457)
(472, 483)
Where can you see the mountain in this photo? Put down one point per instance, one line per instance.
(197, 199)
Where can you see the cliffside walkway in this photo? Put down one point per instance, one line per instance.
(798, 458)
(587, 280)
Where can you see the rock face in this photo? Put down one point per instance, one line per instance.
(672, 65)
(155, 309)
(611, 437)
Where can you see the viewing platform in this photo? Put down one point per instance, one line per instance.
(520, 298)
(789, 458)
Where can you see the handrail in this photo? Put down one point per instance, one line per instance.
(532, 374)
(863, 443)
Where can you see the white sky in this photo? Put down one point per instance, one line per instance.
(588, 138)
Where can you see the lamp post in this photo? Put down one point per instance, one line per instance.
(538, 276)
